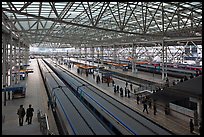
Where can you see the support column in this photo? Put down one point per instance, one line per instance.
(102, 58)
(4, 66)
(163, 59)
(85, 48)
(134, 69)
(162, 41)
(27, 54)
(79, 53)
(98, 56)
(92, 53)
(15, 62)
(166, 61)
(19, 60)
(114, 53)
(11, 64)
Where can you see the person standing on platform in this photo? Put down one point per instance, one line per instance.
(97, 79)
(191, 125)
(121, 92)
(185, 78)
(167, 82)
(29, 114)
(155, 109)
(87, 73)
(108, 82)
(128, 93)
(125, 91)
(113, 82)
(126, 83)
(114, 89)
(131, 86)
(21, 114)
(138, 99)
(118, 88)
(134, 91)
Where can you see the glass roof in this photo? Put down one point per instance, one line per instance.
(95, 23)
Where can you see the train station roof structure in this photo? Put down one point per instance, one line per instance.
(71, 24)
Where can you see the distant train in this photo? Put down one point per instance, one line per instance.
(175, 70)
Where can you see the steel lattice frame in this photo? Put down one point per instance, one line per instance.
(70, 24)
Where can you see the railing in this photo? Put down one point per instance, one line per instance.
(44, 125)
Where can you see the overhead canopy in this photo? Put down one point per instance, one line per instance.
(186, 89)
(70, 24)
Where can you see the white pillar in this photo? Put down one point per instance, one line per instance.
(114, 53)
(134, 69)
(102, 58)
(92, 53)
(85, 54)
(11, 64)
(79, 53)
(166, 60)
(4, 66)
(163, 59)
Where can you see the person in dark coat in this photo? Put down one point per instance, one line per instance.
(121, 92)
(138, 99)
(29, 114)
(185, 78)
(118, 88)
(113, 82)
(126, 83)
(145, 106)
(131, 86)
(21, 114)
(125, 91)
(128, 93)
(114, 88)
(155, 109)
(191, 125)
(97, 79)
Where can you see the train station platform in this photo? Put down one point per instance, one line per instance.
(174, 124)
(36, 96)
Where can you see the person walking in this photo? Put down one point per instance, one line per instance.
(145, 106)
(21, 114)
(191, 125)
(29, 114)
